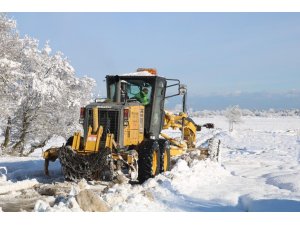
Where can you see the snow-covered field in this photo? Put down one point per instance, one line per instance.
(259, 171)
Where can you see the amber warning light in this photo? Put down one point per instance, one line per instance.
(149, 70)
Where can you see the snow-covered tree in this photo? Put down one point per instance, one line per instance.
(233, 115)
(40, 93)
(10, 75)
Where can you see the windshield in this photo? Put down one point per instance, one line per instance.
(132, 89)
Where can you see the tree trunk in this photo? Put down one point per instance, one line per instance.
(20, 143)
(25, 126)
(7, 133)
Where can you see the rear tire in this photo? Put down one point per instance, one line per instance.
(149, 160)
(165, 155)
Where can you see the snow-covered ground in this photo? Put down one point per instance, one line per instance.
(259, 170)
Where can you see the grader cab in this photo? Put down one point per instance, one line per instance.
(122, 133)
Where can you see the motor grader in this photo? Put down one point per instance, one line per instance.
(122, 135)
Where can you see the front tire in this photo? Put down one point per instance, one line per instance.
(149, 160)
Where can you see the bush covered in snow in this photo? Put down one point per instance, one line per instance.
(233, 115)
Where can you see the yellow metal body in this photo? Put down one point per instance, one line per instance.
(130, 159)
(166, 161)
(76, 141)
(174, 151)
(185, 124)
(134, 131)
(110, 141)
(172, 120)
(133, 136)
(178, 144)
(154, 163)
(93, 140)
(93, 137)
(95, 120)
(49, 155)
(189, 132)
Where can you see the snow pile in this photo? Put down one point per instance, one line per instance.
(20, 185)
(54, 142)
(3, 172)
(167, 191)
(126, 197)
(65, 205)
(61, 205)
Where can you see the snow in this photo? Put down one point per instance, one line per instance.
(17, 186)
(141, 73)
(55, 141)
(9, 63)
(259, 171)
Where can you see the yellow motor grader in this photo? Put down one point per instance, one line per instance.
(122, 134)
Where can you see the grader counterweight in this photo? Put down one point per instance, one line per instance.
(122, 133)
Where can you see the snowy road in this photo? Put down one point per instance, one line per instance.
(259, 171)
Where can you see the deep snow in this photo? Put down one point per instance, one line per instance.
(259, 171)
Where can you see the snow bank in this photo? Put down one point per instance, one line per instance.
(20, 185)
(259, 171)
(269, 205)
(54, 142)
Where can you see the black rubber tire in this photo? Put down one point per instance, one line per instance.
(146, 151)
(107, 172)
(164, 147)
(85, 166)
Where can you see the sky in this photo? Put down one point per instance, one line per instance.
(246, 59)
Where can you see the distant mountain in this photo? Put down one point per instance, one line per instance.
(262, 100)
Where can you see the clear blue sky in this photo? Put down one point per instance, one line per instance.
(218, 55)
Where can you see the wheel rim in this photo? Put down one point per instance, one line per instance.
(154, 162)
(165, 160)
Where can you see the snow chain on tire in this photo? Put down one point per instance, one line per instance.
(93, 166)
(145, 161)
(164, 147)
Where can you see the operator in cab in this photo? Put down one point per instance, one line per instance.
(142, 96)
